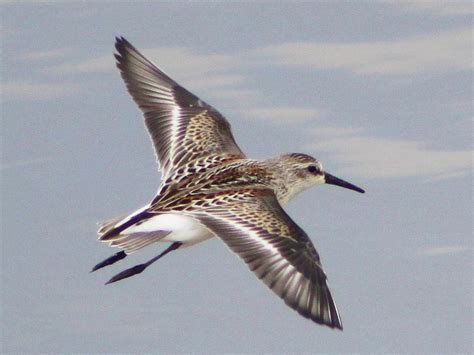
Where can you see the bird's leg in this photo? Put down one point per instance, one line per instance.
(109, 261)
(140, 267)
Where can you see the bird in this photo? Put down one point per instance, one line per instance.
(209, 188)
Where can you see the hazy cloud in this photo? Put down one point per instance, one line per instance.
(207, 73)
(238, 96)
(216, 75)
(438, 8)
(282, 114)
(434, 52)
(183, 62)
(218, 80)
(44, 55)
(443, 250)
(85, 66)
(373, 157)
(35, 91)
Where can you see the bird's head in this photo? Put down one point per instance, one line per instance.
(301, 171)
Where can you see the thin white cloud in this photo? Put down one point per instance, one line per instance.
(286, 115)
(443, 250)
(214, 76)
(372, 157)
(237, 96)
(189, 63)
(85, 66)
(206, 73)
(445, 50)
(179, 60)
(437, 8)
(228, 87)
(35, 91)
(45, 55)
(216, 80)
(449, 50)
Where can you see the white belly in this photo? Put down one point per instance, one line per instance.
(184, 229)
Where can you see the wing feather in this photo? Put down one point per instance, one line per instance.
(278, 251)
(182, 127)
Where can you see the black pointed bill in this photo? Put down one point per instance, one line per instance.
(332, 180)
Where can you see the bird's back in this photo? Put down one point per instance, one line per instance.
(190, 184)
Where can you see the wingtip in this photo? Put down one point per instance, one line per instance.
(121, 43)
(335, 324)
(120, 39)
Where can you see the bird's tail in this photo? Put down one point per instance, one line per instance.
(110, 232)
(108, 225)
(132, 242)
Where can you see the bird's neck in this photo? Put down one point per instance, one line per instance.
(282, 180)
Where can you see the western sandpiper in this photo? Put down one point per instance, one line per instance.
(210, 188)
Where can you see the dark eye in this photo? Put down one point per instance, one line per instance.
(312, 169)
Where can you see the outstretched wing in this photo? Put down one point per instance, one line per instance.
(182, 127)
(275, 249)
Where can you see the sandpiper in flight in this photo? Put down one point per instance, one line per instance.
(210, 188)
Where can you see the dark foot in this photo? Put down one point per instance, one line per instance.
(109, 261)
(127, 273)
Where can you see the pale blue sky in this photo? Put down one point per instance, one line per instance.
(379, 92)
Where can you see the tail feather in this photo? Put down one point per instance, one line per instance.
(110, 230)
(109, 224)
(132, 242)
(113, 231)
